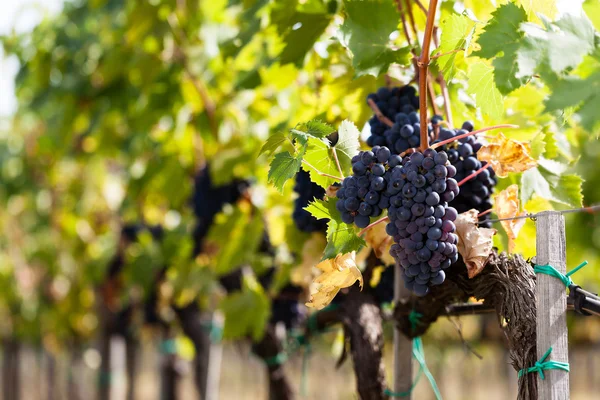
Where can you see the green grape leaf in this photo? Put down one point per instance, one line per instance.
(305, 29)
(319, 154)
(318, 129)
(284, 167)
(482, 86)
(549, 181)
(273, 143)
(457, 32)
(562, 45)
(247, 311)
(534, 7)
(583, 94)
(319, 159)
(503, 35)
(236, 233)
(319, 209)
(366, 33)
(341, 238)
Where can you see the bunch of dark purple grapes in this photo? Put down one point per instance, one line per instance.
(462, 154)
(367, 192)
(398, 100)
(307, 192)
(421, 222)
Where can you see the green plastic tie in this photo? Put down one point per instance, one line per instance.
(551, 271)
(542, 365)
(419, 354)
(168, 346)
(276, 360)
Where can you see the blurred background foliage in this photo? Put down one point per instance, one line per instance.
(121, 103)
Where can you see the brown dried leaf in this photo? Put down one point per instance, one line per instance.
(331, 191)
(474, 243)
(506, 204)
(338, 273)
(378, 239)
(507, 155)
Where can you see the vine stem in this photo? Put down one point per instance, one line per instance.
(489, 128)
(337, 178)
(474, 174)
(438, 55)
(379, 114)
(423, 65)
(379, 221)
(337, 162)
(481, 214)
(421, 6)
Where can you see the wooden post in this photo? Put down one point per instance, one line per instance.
(214, 360)
(551, 305)
(402, 344)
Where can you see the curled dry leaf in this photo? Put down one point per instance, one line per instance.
(506, 205)
(507, 155)
(378, 239)
(474, 243)
(338, 273)
(311, 255)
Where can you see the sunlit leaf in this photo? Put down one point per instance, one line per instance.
(337, 273)
(457, 31)
(482, 86)
(506, 205)
(507, 155)
(284, 167)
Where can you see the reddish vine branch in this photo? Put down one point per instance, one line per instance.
(423, 75)
(379, 114)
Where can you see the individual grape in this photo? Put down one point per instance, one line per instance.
(362, 221)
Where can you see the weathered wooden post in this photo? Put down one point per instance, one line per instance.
(402, 345)
(551, 305)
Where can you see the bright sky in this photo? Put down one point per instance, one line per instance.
(23, 15)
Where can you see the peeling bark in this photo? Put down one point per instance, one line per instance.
(362, 321)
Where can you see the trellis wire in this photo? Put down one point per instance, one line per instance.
(533, 216)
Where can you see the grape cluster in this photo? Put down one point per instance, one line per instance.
(368, 191)
(421, 222)
(462, 154)
(400, 105)
(307, 192)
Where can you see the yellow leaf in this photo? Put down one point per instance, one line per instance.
(474, 243)
(311, 255)
(378, 239)
(507, 155)
(506, 204)
(338, 273)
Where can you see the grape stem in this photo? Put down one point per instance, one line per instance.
(489, 128)
(421, 6)
(481, 214)
(407, 34)
(379, 114)
(337, 178)
(379, 221)
(438, 55)
(474, 174)
(337, 162)
(423, 65)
